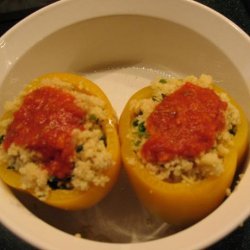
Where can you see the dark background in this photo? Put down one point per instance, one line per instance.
(238, 11)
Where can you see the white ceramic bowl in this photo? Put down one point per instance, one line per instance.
(122, 46)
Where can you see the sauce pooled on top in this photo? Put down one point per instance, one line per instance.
(44, 123)
(184, 124)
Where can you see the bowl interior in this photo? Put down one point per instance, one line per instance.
(121, 53)
(126, 41)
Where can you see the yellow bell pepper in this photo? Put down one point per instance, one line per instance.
(75, 199)
(179, 203)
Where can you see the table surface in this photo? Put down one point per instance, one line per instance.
(236, 10)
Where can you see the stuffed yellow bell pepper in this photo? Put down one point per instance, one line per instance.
(181, 142)
(59, 142)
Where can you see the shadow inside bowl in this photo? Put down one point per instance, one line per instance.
(119, 218)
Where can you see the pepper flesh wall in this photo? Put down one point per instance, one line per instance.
(179, 203)
(56, 147)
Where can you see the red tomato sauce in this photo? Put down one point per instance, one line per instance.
(44, 123)
(184, 124)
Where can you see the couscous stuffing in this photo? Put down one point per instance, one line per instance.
(198, 151)
(53, 137)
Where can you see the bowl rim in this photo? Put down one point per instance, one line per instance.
(37, 232)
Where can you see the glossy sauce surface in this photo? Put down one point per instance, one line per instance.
(185, 124)
(44, 123)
